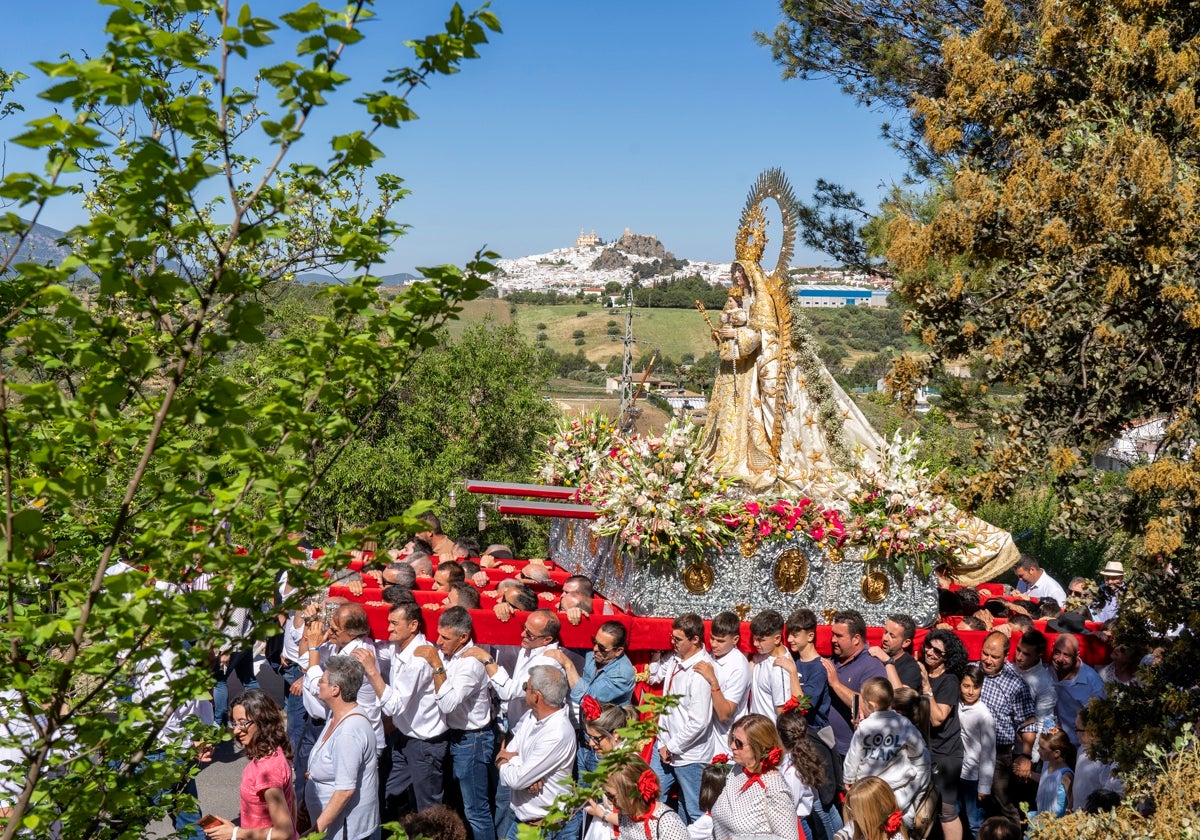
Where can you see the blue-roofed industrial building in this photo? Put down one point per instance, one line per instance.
(840, 296)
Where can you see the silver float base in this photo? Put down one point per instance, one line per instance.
(782, 575)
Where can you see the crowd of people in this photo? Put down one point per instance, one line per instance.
(464, 740)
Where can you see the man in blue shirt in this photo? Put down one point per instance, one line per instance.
(852, 667)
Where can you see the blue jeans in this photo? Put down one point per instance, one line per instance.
(544, 833)
(585, 762)
(242, 664)
(471, 755)
(969, 804)
(687, 776)
(830, 818)
(293, 704)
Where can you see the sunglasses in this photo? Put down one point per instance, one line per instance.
(596, 644)
(241, 724)
(736, 743)
(935, 650)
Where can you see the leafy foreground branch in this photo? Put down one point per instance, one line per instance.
(1161, 805)
(132, 460)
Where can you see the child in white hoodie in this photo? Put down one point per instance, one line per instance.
(978, 731)
(887, 745)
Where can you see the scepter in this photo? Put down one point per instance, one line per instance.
(704, 312)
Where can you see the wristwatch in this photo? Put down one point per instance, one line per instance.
(489, 661)
(440, 670)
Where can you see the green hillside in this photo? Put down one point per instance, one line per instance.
(847, 333)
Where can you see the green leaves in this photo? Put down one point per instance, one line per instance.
(155, 405)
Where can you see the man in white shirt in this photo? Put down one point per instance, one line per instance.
(348, 631)
(1034, 582)
(460, 691)
(728, 676)
(542, 752)
(1030, 664)
(419, 744)
(684, 744)
(538, 636)
(770, 685)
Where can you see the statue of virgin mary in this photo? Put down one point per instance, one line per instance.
(777, 421)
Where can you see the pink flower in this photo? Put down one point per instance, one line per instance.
(782, 507)
(817, 532)
(729, 520)
(764, 528)
(751, 508)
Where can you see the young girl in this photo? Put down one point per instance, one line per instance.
(633, 788)
(801, 741)
(1054, 786)
(802, 768)
(712, 782)
(978, 730)
(872, 813)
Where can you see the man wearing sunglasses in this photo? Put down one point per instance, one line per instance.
(539, 636)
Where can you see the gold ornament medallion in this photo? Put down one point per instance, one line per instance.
(791, 570)
(875, 587)
(698, 577)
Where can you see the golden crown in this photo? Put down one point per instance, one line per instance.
(751, 239)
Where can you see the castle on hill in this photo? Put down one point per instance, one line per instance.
(588, 240)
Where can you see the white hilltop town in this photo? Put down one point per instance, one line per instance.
(591, 263)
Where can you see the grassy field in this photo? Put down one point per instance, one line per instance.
(672, 332)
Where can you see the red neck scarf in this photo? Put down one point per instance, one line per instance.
(769, 762)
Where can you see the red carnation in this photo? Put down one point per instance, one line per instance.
(772, 758)
(720, 758)
(590, 707)
(792, 703)
(648, 786)
(894, 821)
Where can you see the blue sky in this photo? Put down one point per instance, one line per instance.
(656, 116)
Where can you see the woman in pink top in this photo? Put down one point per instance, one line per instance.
(268, 797)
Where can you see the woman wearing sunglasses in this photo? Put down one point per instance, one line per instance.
(756, 800)
(601, 722)
(268, 797)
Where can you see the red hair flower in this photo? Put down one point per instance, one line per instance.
(894, 821)
(798, 704)
(648, 786)
(590, 707)
(772, 758)
(720, 758)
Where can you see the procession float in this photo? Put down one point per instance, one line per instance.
(785, 498)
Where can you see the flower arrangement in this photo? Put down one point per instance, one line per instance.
(660, 498)
(779, 519)
(897, 518)
(801, 704)
(575, 450)
(656, 495)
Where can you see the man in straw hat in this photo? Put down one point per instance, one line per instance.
(1112, 578)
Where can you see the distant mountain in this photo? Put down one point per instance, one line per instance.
(400, 279)
(41, 246)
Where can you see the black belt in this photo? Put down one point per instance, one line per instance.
(469, 731)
